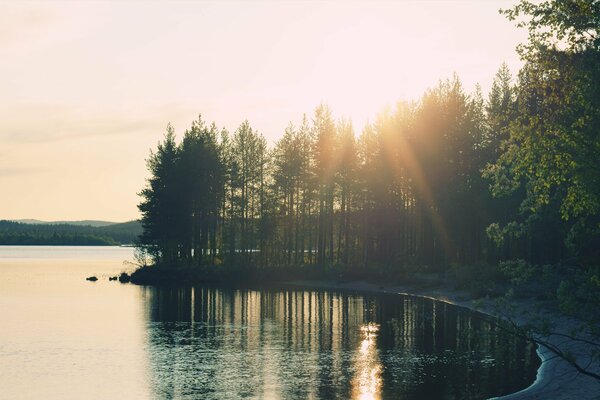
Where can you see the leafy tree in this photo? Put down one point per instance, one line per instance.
(551, 155)
(553, 146)
(571, 25)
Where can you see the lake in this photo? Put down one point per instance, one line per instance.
(62, 337)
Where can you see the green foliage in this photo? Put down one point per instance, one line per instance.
(518, 271)
(551, 146)
(480, 279)
(499, 234)
(580, 296)
(572, 24)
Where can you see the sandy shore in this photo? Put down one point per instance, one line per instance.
(556, 379)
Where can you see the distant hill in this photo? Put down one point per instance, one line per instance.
(124, 232)
(77, 233)
(76, 223)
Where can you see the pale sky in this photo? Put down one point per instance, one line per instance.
(87, 88)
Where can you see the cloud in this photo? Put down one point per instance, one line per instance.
(21, 171)
(42, 123)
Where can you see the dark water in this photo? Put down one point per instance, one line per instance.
(226, 343)
(62, 337)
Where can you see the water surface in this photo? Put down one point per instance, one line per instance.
(62, 337)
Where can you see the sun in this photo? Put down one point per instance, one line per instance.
(361, 69)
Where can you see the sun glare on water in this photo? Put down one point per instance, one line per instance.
(367, 381)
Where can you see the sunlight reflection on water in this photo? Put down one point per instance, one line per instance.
(78, 339)
(367, 382)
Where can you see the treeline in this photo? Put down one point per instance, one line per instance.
(408, 190)
(450, 179)
(15, 233)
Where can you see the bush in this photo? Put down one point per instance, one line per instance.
(518, 271)
(579, 295)
(482, 279)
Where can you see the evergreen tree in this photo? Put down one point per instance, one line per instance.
(160, 205)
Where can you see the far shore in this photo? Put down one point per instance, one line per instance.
(65, 245)
(556, 379)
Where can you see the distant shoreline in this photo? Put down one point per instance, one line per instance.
(66, 245)
(49, 234)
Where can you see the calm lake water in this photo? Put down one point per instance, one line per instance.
(62, 337)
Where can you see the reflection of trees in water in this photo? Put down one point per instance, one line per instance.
(456, 351)
(301, 344)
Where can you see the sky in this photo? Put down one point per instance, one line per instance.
(88, 88)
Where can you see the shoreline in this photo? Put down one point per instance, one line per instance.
(556, 379)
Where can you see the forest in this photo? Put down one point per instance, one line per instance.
(63, 234)
(508, 182)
